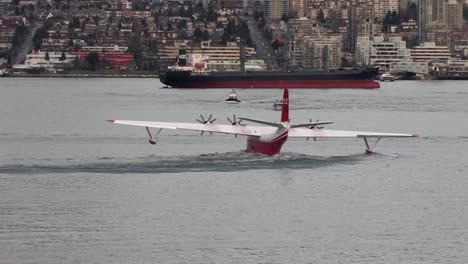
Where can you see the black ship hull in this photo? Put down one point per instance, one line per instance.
(352, 78)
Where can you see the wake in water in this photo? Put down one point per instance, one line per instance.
(222, 162)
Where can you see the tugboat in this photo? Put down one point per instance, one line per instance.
(232, 99)
(278, 105)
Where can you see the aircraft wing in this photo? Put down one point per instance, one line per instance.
(328, 133)
(214, 128)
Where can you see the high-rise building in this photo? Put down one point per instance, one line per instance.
(403, 4)
(297, 30)
(297, 8)
(381, 7)
(275, 9)
(361, 21)
(454, 14)
(233, 4)
(439, 33)
(322, 52)
(437, 18)
(430, 13)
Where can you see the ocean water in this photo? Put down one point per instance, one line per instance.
(76, 189)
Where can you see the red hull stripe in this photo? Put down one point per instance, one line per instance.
(297, 84)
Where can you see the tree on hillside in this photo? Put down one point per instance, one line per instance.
(258, 15)
(225, 37)
(92, 61)
(182, 24)
(63, 57)
(321, 17)
(181, 11)
(244, 32)
(206, 35)
(135, 48)
(189, 12)
(211, 15)
(76, 63)
(231, 27)
(395, 18)
(465, 12)
(197, 34)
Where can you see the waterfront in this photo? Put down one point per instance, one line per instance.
(74, 188)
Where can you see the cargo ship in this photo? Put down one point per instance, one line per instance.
(194, 73)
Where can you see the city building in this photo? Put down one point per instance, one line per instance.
(233, 4)
(437, 18)
(322, 52)
(453, 14)
(218, 57)
(381, 7)
(428, 51)
(275, 9)
(381, 52)
(361, 21)
(52, 62)
(109, 59)
(297, 30)
(419, 67)
(297, 8)
(439, 33)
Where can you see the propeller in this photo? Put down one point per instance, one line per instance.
(234, 122)
(314, 127)
(206, 121)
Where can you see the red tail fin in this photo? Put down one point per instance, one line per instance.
(285, 112)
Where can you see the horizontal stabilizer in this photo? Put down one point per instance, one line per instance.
(312, 124)
(267, 123)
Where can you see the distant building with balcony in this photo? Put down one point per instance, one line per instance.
(38, 62)
(381, 52)
(428, 51)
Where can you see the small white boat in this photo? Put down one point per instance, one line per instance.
(387, 77)
(278, 105)
(232, 99)
(4, 73)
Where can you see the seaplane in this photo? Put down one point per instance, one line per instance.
(267, 138)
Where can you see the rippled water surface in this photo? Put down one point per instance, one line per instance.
(76, 189)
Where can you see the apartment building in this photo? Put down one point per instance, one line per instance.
(275, 9)
(381, 52)
(428, 51)
(381, 7)
(323, 52)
